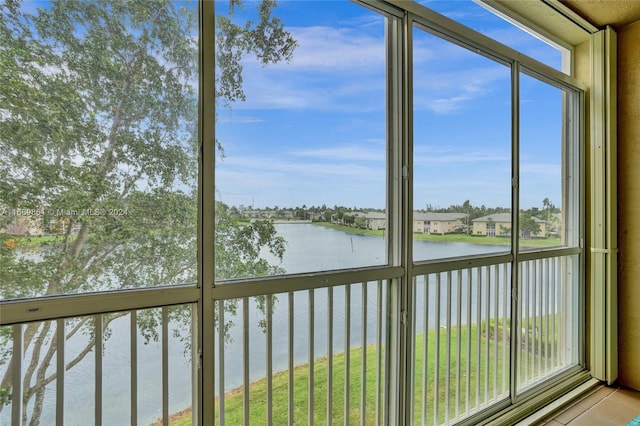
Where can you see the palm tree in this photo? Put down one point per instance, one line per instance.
(547, 204)
(467, 206)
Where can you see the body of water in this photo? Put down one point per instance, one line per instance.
(310, 248)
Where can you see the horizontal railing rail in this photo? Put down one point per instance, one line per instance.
(230, 289)
(75, 305)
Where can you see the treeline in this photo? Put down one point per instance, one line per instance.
(313, 213)
(344, 214)
(547, 209)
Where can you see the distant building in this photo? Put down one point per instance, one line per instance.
(438, 223)
(499, 225)
(373, 220)
(21, 226)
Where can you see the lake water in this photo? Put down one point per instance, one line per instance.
(309, 248)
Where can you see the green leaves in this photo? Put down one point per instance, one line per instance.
(267, 40)
(238, 247)
(97, 118)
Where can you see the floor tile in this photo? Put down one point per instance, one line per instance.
(570, 414)
(592, 419)
(618, 412)
(597, 396)
(628, 397)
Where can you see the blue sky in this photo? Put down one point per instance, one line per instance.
(312, 131)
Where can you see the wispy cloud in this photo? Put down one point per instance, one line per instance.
(363, 152)
(238, 119)
(322, 48)
(447, 92)
(292, 181)
(332, 69)
(452, 155)
(296, 168)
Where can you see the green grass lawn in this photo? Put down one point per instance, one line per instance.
(474, 383)
(38, 240)
(457, 389)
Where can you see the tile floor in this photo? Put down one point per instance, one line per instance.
(607, 406)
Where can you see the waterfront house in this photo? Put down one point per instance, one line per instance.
(438, 223)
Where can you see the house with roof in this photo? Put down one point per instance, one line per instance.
(499, 225)
(373, 220)
(438, 223)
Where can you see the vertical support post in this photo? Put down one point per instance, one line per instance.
(165, 366)
(221, 393)
(515, 234)
(60, 369)
(133, 336)
(311, 334)
(16, 365)
(363, 364)
(478, 332)
(603, 256)
(467, 405)
(487, 328)
(496, 304)
(436, 363)
(269, 359)
(425, 345)
(99, 339)
(206, 344)
(378, 354)
(347, 351)
(290, 365)
(330, 355)
(505, 328)
(447, 373)
(245, 361)
(458, 339)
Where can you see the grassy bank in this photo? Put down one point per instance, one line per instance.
(478, 372)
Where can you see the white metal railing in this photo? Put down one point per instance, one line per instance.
(74, 370)
(546, 327)
(462, 342)
(313, 349)
(307, 356)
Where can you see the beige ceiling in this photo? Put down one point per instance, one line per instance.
(616, 13)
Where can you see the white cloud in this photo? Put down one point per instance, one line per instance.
(284, 181)
(238, 119)
(446, 92)
(298, 169)
(322, 49)
(452, 155)
(364, 152)
(332, 69)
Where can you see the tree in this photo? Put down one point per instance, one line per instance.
(467, 209)
(97, 135)
(547, 205)
(528, 226)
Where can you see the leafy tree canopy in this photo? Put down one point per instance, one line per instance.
(98, 124)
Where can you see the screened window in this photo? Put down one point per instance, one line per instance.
(302, 159)
(98, 159)
(487, 20)
(462, 150)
